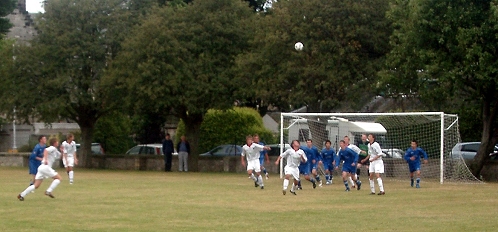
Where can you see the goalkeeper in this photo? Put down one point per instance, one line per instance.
(412, 157)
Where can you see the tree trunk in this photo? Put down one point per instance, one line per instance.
(192, 129)
(85, 152)
(488, 140)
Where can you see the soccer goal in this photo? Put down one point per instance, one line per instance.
(436, 133)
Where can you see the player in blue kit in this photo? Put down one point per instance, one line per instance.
(306, 168)
(36, 157)
(262, 156)
(350, 159)
(412, 157)
(328, 157)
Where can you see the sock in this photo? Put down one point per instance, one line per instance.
(372, 186)
(53, 185)
(381, 186)
(264, 171)
(411, 181)
(31, 183)
(27, 190)
(418, 180)
(299, 183)
(327, 177)
(351, 180)
(293, 188)
(358, 173)
(346, 184)
(71, 176)
(317, 178)
(253, 177)
(286, 184)
(260, 181)
(312, 180)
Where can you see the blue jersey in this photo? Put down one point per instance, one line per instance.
(417, 153)
(349, 157)
(312, 153)
(262, 153)
(328, 155)
(33, 162)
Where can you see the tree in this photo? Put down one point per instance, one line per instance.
(180, 60)
(57, 77)
(6, 7)
(344, 45)
(449, 48)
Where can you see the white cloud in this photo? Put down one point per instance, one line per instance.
(34, 6)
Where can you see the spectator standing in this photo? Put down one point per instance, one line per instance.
(168, 149)
(183, 148)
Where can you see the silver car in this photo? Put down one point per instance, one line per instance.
(467, 150)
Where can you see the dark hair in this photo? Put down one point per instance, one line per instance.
(167, 134)
(309, 140)
(327, 141)
(342, 141)
(40, 137)
(415, 141)
(373, 136)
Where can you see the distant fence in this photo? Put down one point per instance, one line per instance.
(205, 164)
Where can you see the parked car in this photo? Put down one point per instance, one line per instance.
(146, 149)
(275, 149)
(96, 148)
(224, 150)
(468, 150)
(394, 153)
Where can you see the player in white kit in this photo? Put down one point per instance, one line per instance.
(294, 158)
(69, 157)
(251, 151)
(376, 164)
(45, 171)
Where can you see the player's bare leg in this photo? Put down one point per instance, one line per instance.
(418, 179)
(254, 178)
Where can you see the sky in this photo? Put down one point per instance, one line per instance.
(34, 6)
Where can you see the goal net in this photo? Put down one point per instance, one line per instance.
(435, 132)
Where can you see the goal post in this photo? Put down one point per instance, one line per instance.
(435, 132)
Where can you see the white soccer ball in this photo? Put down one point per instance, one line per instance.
(299, 46)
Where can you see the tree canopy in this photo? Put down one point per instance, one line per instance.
(446, 49)
(6, 7)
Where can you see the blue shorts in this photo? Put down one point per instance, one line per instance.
(33, 168)
(314, 165)
(305, 169)
(327, 165)
(348, 168)
(414, 167)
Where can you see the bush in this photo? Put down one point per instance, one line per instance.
(229, 127)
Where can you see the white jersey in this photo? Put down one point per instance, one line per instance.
(53, 154)
(354, 148)
(69, 148)
(374, 150)
(293, 157)
(252, 152)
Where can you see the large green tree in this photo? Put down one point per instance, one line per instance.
(57, 77)
(344, 47)
(6, 7)
(446, 49)
(180, 60)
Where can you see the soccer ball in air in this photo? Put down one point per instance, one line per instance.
(299, 46)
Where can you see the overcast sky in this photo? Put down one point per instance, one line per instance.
(34, 6)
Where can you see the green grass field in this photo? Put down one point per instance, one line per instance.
(102, 200)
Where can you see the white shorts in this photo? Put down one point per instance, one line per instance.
(44, 171)
(376, 166)
(69, 163)
(294, 172)
(254, 165)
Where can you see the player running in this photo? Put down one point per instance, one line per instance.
(412, 157)
(36, 157)
(357, 150)
(45, 171)
(69, 158)
(376, 164)
(328, 157)
(350, 159)
(307, 168)
(295, 157)
(251, 151)
(262, 156)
